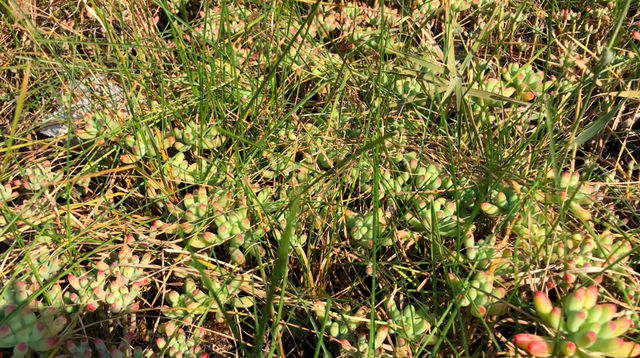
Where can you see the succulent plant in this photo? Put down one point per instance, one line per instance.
(526, 82)
(574, 251)
(352, 16)
(47, 264)
(425, 9)
(463, 5)
(397, 184)
(375, 16)
(436, 216)
(481, 251)
(361, 229)
(629, 290)
(234, 222)
(195, 301)
(15, 294)
(373, 43)
(611, 216)
(191, 302)
(178, 344)
(126, 264)
(613, 249)
(80, 350)
(144, 142)
(25, 331)
(177, 167)
(281, 164)
(503, 201)
(428, 178)
(566, 15)
(579, 195)
(83, 349)
(340, 328)
(479, 294)
(231, 222)
(606, 251)
(7, 194)
(410, 324)
(194, 207)
(38, 174)
(531, 216)
(422, 176)
(361, 174)
(492, 85)
(192, 136)
(122, 350)
(265, 199)
(582, 328)
(116, 284)
(324, 24)
(297, 240)
(336, 328)
(101, 125)
(326, 157)
(89, 292)
(410, 88)
(362, 348)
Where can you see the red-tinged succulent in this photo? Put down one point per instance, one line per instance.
(144, 143)
(83, 349)
(409, 323)
(195, 301)
(362, 227)
(101, 125)
(503, 201)
(115, 283)
(38, 175)
(583, 328)
(425, 8)
(479, 294)
(7, 194)
(25, 331)
(526, 82)
(492, 85)
(178, 343)
(191, 135)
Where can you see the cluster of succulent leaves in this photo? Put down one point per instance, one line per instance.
(178, 343)
(345, 330)
(410, 325)
(25, 330)
(528, 220)
(28, 324)
(479, 294)
(101, 126)
(196, 302)
(362, 229)
(115, 284)
(581, 328)
(83, 349)
(212, 219)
